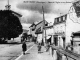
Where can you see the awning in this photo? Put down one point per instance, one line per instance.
(48, 37)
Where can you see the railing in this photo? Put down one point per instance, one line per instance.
(68, 54)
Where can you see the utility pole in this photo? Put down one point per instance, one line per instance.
(44, 30)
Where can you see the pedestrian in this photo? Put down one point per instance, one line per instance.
(48, 47)
(24, 47)
(52, 49)
(39, 48)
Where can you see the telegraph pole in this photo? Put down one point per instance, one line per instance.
(44, 30)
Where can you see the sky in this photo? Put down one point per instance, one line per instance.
(32, 12)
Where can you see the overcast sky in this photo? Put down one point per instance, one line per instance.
(32, 12)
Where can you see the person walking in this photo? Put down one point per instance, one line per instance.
(48, 47)
(39, 48)
(24, 47)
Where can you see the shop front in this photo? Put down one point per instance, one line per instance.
(76, 42)
(59, 40)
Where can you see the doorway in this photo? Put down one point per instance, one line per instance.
(56, 41)
(63, 41)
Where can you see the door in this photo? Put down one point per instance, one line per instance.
(56, 41)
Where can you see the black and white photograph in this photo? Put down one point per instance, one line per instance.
(39, 29)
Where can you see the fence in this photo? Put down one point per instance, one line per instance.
(64, 54)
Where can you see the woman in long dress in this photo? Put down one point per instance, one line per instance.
(24, 47)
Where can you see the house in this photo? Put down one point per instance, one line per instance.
(76, 42)
(49, 33)
(32, 29)
(37, 29)
(59, 30)
(65, 25)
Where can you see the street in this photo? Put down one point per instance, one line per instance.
(14, 52)
(11, 51)
(32, 54)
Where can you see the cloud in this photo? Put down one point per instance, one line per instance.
(33, 11)
(50, 17)
(61, 8)
(33, 17)
(51, 10)
(25, 26)
(56, 8)
(35, 7)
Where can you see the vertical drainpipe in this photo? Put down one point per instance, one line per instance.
(65, 33)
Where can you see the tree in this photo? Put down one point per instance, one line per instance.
(10, 26)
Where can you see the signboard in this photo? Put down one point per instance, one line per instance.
(39, 38)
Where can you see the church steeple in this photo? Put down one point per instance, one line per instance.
(8, 6)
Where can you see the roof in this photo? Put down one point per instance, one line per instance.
(41, 22)
(39, 30)
(49, 27)
(60, 19)
(32, 25)
(37, 23)
(76, 33)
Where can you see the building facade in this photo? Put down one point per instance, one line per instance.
(49, 34)
(64, 26)
(37, 30)
(59, 30)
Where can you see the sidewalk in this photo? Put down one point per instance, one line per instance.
(33, 54)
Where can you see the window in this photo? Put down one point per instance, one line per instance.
(57, 20)
(60, 19)
(63, 18)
